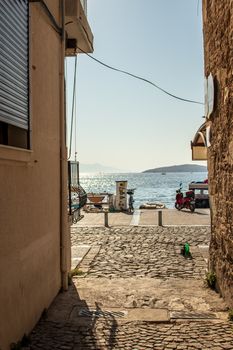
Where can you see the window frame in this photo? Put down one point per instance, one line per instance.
(13, 135)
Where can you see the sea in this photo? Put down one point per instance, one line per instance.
(149, 187)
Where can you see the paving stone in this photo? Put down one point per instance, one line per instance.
(143, 252)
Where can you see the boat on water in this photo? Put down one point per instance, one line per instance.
(152, 205)
(163, 173)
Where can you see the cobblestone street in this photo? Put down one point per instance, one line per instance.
(141, 252)
(183, 336)
(135, 291)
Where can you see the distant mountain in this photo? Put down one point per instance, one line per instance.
(96, 168)
(184, 168)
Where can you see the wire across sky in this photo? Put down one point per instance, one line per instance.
(143, 79)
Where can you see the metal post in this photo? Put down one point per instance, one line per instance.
(106, 219)
(160, 218)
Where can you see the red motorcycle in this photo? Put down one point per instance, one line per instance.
(187, 202)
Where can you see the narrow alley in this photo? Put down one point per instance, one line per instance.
(135, 291)
(104, 108)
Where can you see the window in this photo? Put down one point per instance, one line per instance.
(14, 73)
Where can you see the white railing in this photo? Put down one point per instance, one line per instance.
(84, 5)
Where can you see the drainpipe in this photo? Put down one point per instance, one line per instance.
(64, 227)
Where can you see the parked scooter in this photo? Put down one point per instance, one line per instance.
(187, 202)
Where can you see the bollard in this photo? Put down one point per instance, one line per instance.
(160, 218)
(106, 219)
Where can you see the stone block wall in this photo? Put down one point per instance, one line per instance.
(218, 51)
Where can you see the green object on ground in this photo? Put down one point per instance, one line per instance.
(186, 249)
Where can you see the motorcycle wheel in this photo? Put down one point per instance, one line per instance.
(192, 208)
(177, 206)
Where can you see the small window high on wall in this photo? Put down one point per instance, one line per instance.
(14, 73)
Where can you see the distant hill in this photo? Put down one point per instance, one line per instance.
(184, 168)
(96, 168)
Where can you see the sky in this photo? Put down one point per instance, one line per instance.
(126, 123)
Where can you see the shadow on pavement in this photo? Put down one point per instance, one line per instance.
(70, 323)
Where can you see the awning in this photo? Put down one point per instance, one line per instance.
(199, 144)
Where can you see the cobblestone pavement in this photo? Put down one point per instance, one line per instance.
(177, 234)
(139, 268)
(144, 252)
(108, 334)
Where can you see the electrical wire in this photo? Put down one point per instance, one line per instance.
(73, 106)
(140, 78)
(58, 30)
(75, 131)
(67, 93)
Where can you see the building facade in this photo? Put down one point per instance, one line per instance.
(34, 233)
(218, 48)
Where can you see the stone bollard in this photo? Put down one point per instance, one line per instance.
(160, 218)
(106, 218)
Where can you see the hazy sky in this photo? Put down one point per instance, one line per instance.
(123, 122)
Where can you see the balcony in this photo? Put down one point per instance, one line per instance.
(79, 34)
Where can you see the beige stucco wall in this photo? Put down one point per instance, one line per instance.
(218, 46)
(30, 194)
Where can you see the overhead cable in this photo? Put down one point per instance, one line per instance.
(73, 116)
(143, 79)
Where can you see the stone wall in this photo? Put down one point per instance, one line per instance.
(218, 49)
